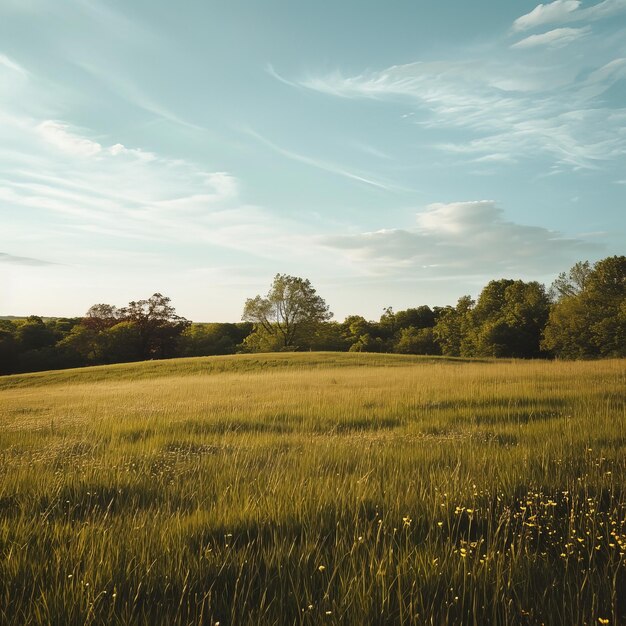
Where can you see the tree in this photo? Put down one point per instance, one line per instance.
(215, 338)
(290, 311)
(158, 326)
(421, 317)
(387, 323)
(81, 345)
(570, 283)
(329, 336)
(452, 330)
(367, 343)
(33, 334)
(99, 317)
(122, 343)
(413, 340)
(591, 321)
(508, 319)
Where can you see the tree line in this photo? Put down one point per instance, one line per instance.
(582, 315)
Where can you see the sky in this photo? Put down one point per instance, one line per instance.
(395, 153)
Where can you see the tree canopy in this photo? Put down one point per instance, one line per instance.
(582, 316)
(589, 321)
(290, 311)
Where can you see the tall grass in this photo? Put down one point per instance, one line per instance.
(312, 489)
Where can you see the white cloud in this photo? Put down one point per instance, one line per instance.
(471, 238)
(60, 136)
(557, 11)
(11, 65)
(553, 38)
(563, 11)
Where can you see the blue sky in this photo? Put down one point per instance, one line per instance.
(396, 154)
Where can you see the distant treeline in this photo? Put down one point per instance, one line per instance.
(582, 315)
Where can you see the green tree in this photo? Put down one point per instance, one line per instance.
(570, 283)
(158, 325)
(368, 343)
(509, 318)
(122, 342)
(452, 330)
(33, 334)
(387, 324)
(329, 336)
(289, 314)
(590, 322)
(420, 317)
(208, 339)
(414, 340)
(82, 345)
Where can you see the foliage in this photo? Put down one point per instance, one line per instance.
(508, 319)
(207, 339)
(156, 324)
(414, 340)
(452, 329)
(289, 314)
(582, 316)
(572, 282)
(590, 321)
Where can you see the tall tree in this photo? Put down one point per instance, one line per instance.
(570, 283)
(452, 330)
(508, 319)
(99, 317)
(158, 325)
(591, 321)
(290, 311)
(420, 317)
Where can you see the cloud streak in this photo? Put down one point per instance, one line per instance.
(511, 108)
(76, 185)
(324, 165)
(556, 38)
(12, 65)
(564, 11)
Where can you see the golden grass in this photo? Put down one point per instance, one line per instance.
(314, 488)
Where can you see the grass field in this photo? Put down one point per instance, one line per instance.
(314, 489)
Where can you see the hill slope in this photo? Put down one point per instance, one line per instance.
(215, 364)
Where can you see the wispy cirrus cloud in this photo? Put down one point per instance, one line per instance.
(129, 89)
(326, 166)
(12, 65)
(514, 108)
(463, 238)
(75, 185)
(556, 38)
(564, 11)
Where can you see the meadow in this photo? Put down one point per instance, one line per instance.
(314, 488)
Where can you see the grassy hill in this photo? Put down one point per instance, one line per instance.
(314, 488)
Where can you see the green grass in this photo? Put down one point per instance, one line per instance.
(312, 489)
